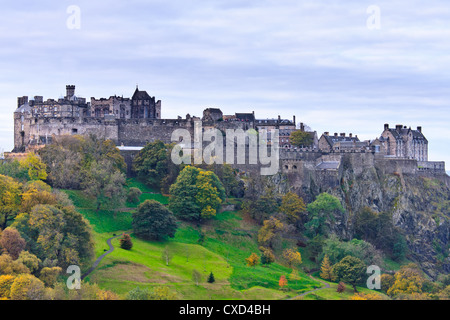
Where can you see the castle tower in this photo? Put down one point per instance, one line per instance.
(70, 91)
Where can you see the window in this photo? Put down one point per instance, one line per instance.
(74, 131)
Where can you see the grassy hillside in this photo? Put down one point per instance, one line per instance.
(228, 240)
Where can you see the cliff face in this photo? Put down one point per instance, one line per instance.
(419, 204)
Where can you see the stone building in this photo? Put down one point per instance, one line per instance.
(404, 142)
(341, 143)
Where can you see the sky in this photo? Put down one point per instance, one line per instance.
(338, 66)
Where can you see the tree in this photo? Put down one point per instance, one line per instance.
(153, 221)
(282, 282)
(340, 287)
(267, 256)
(367, 296)
(10, 191)
(196, 276)
(167, 255)
(10, 266)
(270, 232)
(133, 195)
(211, 278)
(159, 293)
(337, 250)
(50, 275)
(125, 242)
(58, 234)
(27, 287)
(6, 282)
(105, 183)
(301, 138)
(30, 261)
(326, 269)
(253, 260)
(12, 242)
(292, 206)
(152, 163)
(293, 257)
(36, 168)
(387, 281)
(350, 270)
(408, 280)
(322, 214)
(196, 195)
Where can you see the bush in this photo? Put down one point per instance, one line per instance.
(125, 242)
(133, 195)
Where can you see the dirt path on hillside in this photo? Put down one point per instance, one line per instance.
(99, 259)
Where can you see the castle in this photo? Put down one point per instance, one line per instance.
(137, 120)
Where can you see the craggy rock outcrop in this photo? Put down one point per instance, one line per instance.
(419, 204)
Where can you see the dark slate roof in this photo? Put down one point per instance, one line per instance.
(333, 139)
(328, 165)
(140, 95)
(214, 110)
(404, 132)
(245, 116)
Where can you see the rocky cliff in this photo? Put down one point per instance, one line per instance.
(419, 203)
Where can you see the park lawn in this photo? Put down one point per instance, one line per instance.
(228, 241)
(332, 294)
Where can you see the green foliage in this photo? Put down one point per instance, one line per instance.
(322, 214)
(262, 207)
(350, 270)
(12, 168)
(378, 229)
(196, 194)
(301, 138)
(336, 250)
(133, 195)
(267, 255)
(152, 163)
(153, 221)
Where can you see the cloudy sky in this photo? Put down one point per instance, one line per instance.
(338, 66)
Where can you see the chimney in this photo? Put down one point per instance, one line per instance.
(419, 129)
(70, 91)
(326, 133)
(350, 135)
(279, 118)
(335, 134)
(398, 127)
(293, 119)
(302, 127)
(386, 126)
(343, 134)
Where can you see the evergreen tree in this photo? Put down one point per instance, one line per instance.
(211, 278)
